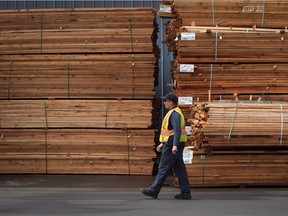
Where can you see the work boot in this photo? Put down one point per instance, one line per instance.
(149, 193)
(185, 195)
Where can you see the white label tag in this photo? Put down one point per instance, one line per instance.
(185, 100)
(165, 8)
(187, 156)
(188, 130)
(188, 68)
(188, 36)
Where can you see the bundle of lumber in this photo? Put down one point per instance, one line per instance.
(78, 31)
(238, 168)
(232, 47)
(241, 124)
(76, 18)
(223, 79)
(76, 151)
(245, 63)
(78, 76)
(272, 13)
(76, 114)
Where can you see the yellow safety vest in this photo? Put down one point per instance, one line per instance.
(165, 133)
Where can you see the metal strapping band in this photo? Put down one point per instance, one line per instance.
(231, 129)
(132, 54)
(282, 125)
(106, 115)
(46, 150)
(263, 12)
(9, 78)
(45, 110)
(68, 74)
(213, 14)
(203, 170)
(41, 33)
(211, 76)
(216, 47)
(128, 149)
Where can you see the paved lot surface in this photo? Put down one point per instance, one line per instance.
(119, 195)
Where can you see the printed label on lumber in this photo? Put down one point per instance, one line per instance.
(187, 156)
(165, 8)
(185, 100)
(188, 130)
(188, 36)
(187, 68)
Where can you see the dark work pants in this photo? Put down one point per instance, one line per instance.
(168, 162)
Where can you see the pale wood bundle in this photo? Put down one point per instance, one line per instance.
(231, 79)
(76, 114)
(76, 151)
(231, 168)
(233, 47)
(81, 33)
(221, 125)
(78, 76)
(269, 13)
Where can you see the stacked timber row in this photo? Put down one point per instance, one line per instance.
(227, 62)
(244, 143)
(232, 50)
(236, 13)
(77, 91)
(90, 53)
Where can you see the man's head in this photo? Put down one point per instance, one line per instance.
(170, 101)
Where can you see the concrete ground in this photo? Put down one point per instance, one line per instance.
(119, 195)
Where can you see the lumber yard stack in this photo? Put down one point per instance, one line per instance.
(242, 143)
(235, 51)
(77, 91)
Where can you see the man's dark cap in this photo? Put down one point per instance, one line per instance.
(171, 97)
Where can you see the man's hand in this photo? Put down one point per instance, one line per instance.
(174, 149)
(159, 147)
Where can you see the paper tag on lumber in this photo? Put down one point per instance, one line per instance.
(188, 36)
(165, 9)
(187, 68)
(187, 156)
(185, 100)
(188, 130)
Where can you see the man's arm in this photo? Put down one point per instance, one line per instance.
(176, 124)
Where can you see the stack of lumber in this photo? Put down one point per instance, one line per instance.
(76, 114)
(77, 76)
(78, 151)
(109, 53)
(239, 124)
(235, 62)
(233, 50)
(238, 168)
(270, 14)
(222, 46)
(78, 31)
(77, 91)
(239, 143)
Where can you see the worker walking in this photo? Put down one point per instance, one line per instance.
(172, 138)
